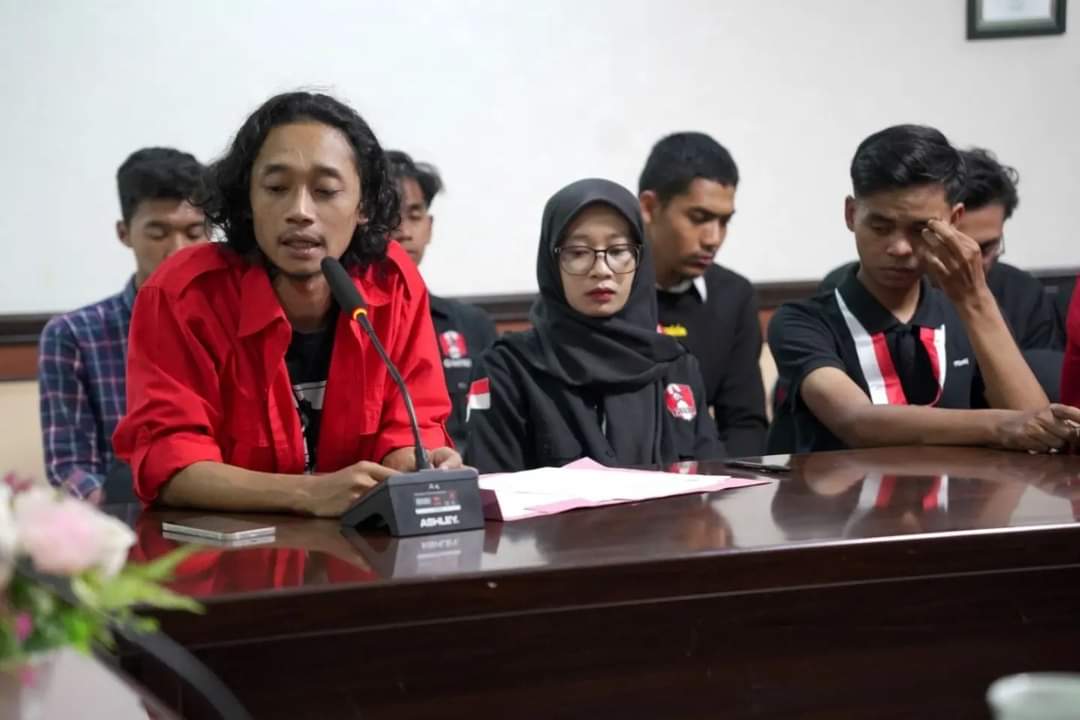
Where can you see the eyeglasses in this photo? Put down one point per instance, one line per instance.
(993, 249)
(579, 260)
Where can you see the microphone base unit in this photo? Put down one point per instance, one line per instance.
(424, 502)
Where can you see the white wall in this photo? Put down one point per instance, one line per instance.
(512, 100)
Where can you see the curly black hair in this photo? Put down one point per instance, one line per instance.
(226, 196)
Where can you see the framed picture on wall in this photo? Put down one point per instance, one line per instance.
(1014, 18)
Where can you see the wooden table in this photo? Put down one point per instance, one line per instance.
(883, 583)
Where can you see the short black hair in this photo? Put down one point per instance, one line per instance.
(156, 173)
(679, 159)
(989, 182)
(905, 156)
(426, 176)
(227, 201)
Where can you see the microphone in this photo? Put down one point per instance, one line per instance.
(352, 302)
(417, 503)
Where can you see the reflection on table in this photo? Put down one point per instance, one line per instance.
(877, 493)
(841, 588)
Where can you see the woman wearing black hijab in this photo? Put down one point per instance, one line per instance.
(593, 377)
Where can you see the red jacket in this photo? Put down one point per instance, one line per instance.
(207, 378)
(1070, 369)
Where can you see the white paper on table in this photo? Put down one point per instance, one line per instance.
(587, 483)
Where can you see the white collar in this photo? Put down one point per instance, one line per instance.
(697, 283)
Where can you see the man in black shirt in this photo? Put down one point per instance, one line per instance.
(463, 331)
(889, 359)
(990, 198)
(687, 195)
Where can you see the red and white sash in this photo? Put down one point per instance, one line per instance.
(877, 364)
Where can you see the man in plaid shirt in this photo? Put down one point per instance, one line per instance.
(82, 354)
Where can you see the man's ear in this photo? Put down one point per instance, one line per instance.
(122, 233)
(430, 224)
(650, 205)
(956, 213)
(849, 213)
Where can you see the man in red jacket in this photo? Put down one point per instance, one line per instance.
(247, 388)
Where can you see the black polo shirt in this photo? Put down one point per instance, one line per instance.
(464, 332)
(1031, 315)
(928, 361)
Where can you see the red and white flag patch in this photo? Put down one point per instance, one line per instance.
(479, 396)
(683, 467)
(453, 345)
(680, 401)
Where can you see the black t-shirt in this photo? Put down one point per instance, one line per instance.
(308, 362)
(928, 361)
(464, 333)
(524, 419)
(723, 332)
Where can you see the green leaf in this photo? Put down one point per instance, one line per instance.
(124, 591)
(87, 590)
(36, 600)
(161, 569)
(144, 624)
(9, 644)
(80, 630)
(166, 599)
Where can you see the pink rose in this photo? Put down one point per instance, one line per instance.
(24, 625)
(16, 483)
(65, 536)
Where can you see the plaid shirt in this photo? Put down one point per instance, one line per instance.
(81, 381)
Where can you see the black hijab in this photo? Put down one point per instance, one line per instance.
(619, 360)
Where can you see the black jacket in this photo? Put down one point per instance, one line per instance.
(724, 333)
(535, 420)
(464, 332)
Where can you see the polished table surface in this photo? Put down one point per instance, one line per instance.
(833, 589)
